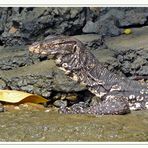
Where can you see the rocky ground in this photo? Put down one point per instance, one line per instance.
(102, 32)
(125, 55)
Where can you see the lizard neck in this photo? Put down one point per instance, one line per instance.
(83, 67)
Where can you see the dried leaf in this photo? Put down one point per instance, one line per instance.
(14, 96)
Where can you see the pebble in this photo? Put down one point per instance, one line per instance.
(17, 107)
(47, 110)
(60, 103)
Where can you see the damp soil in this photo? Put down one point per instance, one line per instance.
(50, 126)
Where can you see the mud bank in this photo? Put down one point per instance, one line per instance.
(26, 125)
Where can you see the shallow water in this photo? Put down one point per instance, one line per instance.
(39, 125)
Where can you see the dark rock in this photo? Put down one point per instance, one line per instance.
(60, 85)
(105, 24)
(42, 81)
(138, 62)
(24, 25)
(92, 41)
(16, 57)
(143, 71)
(126, 68)
(90, 27)
(133, 63)
(130, 51)
(102, 27)
(37, 84)
(133, 18)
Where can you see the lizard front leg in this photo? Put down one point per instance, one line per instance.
(114, 105)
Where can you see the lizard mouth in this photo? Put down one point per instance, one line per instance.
(36, 49)
(33, 50)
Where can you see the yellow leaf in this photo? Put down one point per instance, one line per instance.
(14, 96)
(127, 31)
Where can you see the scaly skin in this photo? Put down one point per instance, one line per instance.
(118, 94)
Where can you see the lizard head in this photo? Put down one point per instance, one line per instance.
(65, 51)
(54, 46)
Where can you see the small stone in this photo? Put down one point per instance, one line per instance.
(17, 108)
(46, 94)
(60, 103)
(12, 30)
(47, 110)
(72, 97)
(1, 108)
(25, 105)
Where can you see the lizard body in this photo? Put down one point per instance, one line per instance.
(119, 95)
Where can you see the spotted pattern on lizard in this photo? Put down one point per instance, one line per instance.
(119, 95)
